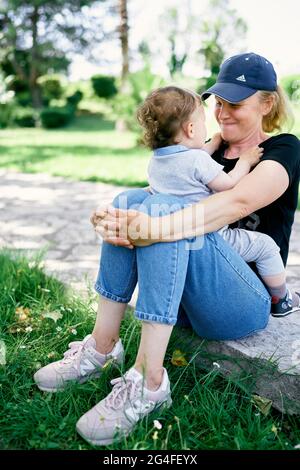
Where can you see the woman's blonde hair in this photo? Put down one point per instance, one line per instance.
(280, 114)
(163, 113)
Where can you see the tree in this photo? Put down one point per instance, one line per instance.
(123, 30)
(44, 33)
(179, 25)
(222, 32)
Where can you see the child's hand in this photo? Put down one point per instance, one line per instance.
(213, 145)
(252, 156)
(216, 140)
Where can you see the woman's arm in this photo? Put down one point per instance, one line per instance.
(266, 183)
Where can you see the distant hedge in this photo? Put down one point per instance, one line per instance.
(104, 86)
(55, 117)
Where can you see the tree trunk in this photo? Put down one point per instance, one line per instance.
(124, 28)
(34, 73)
(123, 31)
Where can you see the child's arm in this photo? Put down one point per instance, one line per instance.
(213, 145)
(225, 181)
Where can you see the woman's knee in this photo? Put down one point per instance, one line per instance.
(161, 204)
(130, 199)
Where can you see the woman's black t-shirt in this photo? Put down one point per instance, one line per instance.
(277, 218)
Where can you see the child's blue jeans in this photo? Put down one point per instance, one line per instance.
(211, 289)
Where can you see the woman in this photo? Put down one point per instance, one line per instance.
(213, 289)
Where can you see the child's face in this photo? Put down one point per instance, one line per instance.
(198, 128)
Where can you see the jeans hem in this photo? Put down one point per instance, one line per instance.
(154, 318)
(110, 296)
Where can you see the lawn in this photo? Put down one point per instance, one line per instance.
(88, 149)
(39, 317)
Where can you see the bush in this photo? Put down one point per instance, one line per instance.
(24, 98)
(25, 117)
(75, 99)
(291, 85)
(139, 86)
(51, 87)
(55, 117)
(104, 86)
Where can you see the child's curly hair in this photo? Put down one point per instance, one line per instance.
(164, 112)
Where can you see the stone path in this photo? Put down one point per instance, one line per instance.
(40, 211)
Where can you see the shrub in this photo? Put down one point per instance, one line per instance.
(51, 87)
(74, 99)
(55, 117)
(104, 86)
(139, 86)
(291, 85)
(6, 103)
(23, 98)
(25, 117)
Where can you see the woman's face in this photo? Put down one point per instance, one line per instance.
(238, 121)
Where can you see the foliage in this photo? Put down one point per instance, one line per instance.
(221, 31)
(39, 36)
(51, 87)
(139, 85)
(104, 86)
(75, 98)
(25, 117)
(291, 85)
(54, 117)
(178, 38)
(6, 102)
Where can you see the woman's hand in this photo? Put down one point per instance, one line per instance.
(127, 228)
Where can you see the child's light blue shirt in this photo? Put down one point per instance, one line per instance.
(182, 171)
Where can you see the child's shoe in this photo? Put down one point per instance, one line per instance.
(284, 306)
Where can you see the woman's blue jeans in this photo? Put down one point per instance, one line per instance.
(211, 289)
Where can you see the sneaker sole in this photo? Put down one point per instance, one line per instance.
(69, 382)
(285, 314)
(118, 438)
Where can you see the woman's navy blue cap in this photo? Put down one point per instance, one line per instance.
(241, 76)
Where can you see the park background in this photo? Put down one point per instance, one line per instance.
(72, 74)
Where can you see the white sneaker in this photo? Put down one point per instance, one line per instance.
(80, 363)
(116, 415)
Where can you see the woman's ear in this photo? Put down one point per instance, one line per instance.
(267, 105)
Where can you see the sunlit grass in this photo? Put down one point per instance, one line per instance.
(208, 412)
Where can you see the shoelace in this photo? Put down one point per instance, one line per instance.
(124, 389)
(73, 354)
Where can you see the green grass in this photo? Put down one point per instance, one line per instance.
(208, 411)
(89, 149)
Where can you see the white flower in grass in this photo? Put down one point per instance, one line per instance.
(157, 424)
(74, 331)
(23, 346)
(58, 328)
(28, 329)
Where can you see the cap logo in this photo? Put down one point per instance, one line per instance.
(241, 78)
